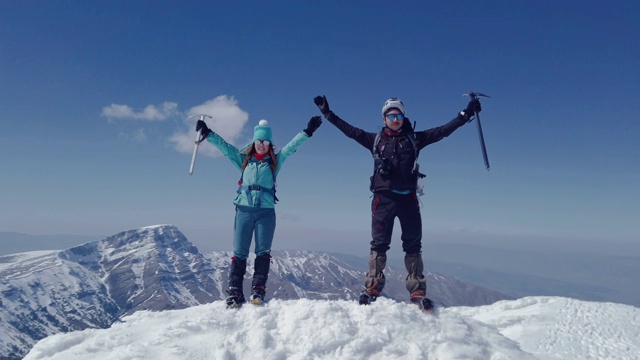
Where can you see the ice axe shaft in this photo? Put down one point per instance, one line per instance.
(474, 96)
(197, 143)
(195, 152)
(484, 148)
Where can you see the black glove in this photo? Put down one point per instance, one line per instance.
(473, 108)
(204, 130)
(313, 125)
(323, 105)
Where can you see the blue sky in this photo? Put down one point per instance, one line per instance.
(95, 93)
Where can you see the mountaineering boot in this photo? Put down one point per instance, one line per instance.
(236, 272)
(235, 298)
(260, 276)
(415, 277)
(236, 277)
(366, 298)
(416, 282)
(424, 303)
(257, 295)
(374, 281)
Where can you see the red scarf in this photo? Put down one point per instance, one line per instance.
(391, 132)
(260, 157)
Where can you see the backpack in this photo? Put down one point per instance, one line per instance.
(248, 189)
(412, 140)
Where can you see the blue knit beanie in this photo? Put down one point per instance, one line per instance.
(262, 131)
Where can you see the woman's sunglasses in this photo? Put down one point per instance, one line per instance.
(263, 142)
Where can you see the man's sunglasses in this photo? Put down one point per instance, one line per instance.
(395, 116)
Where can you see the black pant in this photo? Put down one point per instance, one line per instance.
(385, 206)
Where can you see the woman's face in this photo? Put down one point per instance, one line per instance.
(261, 146)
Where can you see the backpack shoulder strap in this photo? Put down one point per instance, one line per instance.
(374, 150)
(416, 151)
(414, 144)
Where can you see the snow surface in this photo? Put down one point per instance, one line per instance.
(9, 261)
(528, 328)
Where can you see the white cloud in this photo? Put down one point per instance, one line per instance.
(149, 113)
(227, 120)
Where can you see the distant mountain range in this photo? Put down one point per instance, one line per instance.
(156, 268)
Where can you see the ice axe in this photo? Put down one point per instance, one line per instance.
(475, 96)
(198, 141)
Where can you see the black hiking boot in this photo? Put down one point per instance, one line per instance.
(257, 295)
(424, 303)
(235, 298)
(367, 297)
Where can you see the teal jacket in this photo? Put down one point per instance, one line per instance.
(256, 172)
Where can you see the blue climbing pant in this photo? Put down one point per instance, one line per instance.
(251, 221)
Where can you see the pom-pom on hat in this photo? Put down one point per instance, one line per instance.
(262, 131)
(393, 103)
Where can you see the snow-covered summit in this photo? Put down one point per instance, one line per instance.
(146, 238)
(529, 328)
(146, 268)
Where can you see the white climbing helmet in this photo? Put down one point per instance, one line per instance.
(393, 103)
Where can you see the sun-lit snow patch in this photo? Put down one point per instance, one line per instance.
(568, 328)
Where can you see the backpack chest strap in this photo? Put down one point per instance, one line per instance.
(249, 188)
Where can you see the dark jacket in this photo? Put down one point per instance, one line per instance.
(396, 148)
